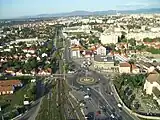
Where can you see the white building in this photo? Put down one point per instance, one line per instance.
(153, 80)
(109, 38)
(124, 67)
(75, 42)
(75, 53)
(101, 50)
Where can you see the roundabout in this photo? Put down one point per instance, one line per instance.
(86, 81)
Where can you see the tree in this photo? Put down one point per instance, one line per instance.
(131, 62)
(122, 37)
(132, 42)
(116, 62)
(119, 39)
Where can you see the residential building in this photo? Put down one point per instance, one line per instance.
(74, 42)
(101, 50)
(108, 38)
(6, 90)
(8, 86)
(135, 69)
(124, 67)
(153, 80)
(105, 63)
(75, 52)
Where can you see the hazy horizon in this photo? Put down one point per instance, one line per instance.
(18, 8)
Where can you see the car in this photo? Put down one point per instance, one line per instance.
(86, 96)
(90, 116)
(88, 89)
(81, 86)
(112, 116)
(119, 106)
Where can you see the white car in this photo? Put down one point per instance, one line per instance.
(86, 96)
(88, 89)
(112, 116)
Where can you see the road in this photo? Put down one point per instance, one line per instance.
(65, 103)
(33, 111)
(102, 91)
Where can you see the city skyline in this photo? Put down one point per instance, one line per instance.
(18, 8)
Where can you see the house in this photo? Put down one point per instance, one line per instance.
(124, 67)
(15, 83)
(33, 80)
(44, 55)
(6, 90)
(19, 73)
(7, 50)
(28, 55)
(10, 71)
(153, 80)
(46, 72)
(87, 53)
(74, 42)
(75, 52)
(30, 50)
(101, 50)
(8, 86)
(135, 69)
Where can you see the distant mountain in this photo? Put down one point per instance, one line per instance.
(86, 13)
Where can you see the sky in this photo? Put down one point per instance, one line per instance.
(18, 8)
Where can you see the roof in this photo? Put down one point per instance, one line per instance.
(9, 82)
(134, 67)
(156, 92)
(6, 88)
(125, 64)
(148, 65)
(153, 77)
(100, 58)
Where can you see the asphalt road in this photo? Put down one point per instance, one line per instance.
(33, 111)
(101, 94)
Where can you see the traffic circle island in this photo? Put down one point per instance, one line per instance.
(86, 81)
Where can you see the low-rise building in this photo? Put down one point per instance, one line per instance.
(124, 67)
(108, 38)
(6, 90)
(105, 63)
(153, 80)
(8, 86)
(101, 50)
(135, 69)
(75, 52)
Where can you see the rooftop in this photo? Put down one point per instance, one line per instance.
(6, 88)
(125, 64)
(100, 58)
(156, 92)
(9, 82)
(153, 77)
